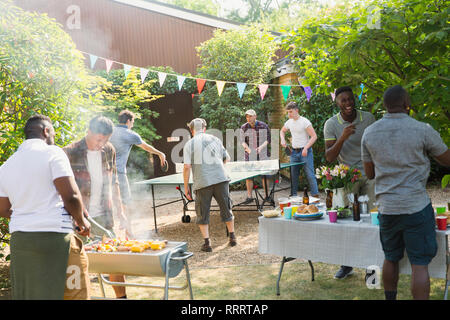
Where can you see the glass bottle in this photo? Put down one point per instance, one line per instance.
(356, 209)
(305, 196)
(329, 200)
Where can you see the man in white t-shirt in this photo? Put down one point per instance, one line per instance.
(303, 138)
(39, 194)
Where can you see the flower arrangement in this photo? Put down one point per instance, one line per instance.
(338, 176)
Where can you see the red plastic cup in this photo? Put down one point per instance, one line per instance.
(333, 216)
(441, 222)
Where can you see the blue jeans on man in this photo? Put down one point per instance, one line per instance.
(296, 156)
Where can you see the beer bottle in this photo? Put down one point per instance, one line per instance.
(356, 212)
(305, 196)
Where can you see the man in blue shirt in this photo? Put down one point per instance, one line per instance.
(123, 138)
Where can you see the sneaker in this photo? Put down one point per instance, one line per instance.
(343, 272)
(248, 200)
(206, 248)
(233, 241)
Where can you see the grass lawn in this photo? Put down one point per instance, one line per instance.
(258, 282)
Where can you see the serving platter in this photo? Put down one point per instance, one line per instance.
(309, 216)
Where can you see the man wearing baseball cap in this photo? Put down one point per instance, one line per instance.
(255, 138)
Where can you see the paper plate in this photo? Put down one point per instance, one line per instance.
(309, 216)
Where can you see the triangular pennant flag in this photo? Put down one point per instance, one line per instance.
(263, 90)
(286, 90)
(192, 95)
(308, 92)
(220, 85)
(362, 90)
(126, 69)
(333, 95)
(200, 84)
(93, 60)
(180, 81)
(108, 65)
(162, 77)
(241, 87)
(144, 73)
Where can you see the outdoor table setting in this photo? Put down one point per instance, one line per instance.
(342, 241)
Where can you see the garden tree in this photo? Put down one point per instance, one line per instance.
(40, 72)
(380, 44)
(242, 55)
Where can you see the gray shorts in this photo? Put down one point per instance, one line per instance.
(203, 197)
(125, 193)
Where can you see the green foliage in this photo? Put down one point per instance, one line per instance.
(380, 44)
(243, 55)
(4, 237)
(40, 72)
(210, 7)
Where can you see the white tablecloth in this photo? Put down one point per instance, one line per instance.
(347, 242)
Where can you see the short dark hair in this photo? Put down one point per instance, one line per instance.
(292, 105)
(343, 89)
(101, 125)
(35, 125)
(396, 97)
(125, 115)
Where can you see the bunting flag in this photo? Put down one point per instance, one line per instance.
(144, 73)
(262, 90)
(126, 69)
(362, 90)
(161, 77)
(220, 85)
(333, 95)
(308, 92)
(241, 88)
(180, 80)
(93, 60)
(286, 90)
(200, 84)
(109, 64)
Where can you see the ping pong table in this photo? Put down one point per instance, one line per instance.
(237, 171)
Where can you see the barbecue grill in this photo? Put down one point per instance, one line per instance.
(167, 262)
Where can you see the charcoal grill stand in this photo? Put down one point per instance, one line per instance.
(166, 287)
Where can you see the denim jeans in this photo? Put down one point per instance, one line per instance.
(296, 156)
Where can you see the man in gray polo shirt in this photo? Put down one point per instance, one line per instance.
(343, 133)
(123, 138)
(395, 152)
(206, 155)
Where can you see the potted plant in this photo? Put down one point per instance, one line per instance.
(336, 181)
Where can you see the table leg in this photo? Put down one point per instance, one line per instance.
(312, 270)
(283, 261)
(154, 209)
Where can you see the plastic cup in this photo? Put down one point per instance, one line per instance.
(333, 216)
(374, 217)
(287, 212)
(440, 210)
(294, 209)
(441, 222)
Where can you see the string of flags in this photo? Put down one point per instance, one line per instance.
(220, 84)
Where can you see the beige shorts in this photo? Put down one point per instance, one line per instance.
(77, 275)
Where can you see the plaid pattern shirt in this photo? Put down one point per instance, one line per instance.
(77, 154)
(254, 137)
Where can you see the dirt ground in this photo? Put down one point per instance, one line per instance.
(170, 227)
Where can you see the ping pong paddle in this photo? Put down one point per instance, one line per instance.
(165, 167)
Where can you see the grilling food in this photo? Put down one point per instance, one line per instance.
(136, 246)
(305, 209)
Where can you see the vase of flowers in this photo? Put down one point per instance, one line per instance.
(338, 179)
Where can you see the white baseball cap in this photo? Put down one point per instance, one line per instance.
(250, 112)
